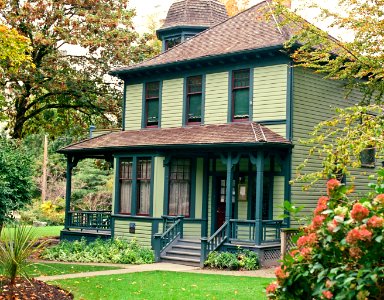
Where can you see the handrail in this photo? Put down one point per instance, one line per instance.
(273, 234)
(214, 242)
(91, 220)
(163, 240)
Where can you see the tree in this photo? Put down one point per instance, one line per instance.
(235, 6)
(15, 178)
(359, 64)
(74, 45)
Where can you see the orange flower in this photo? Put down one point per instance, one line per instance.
(380, 198)
(359, 234)
(318, 221)
(327, 295)
(355, 252)
(272, 288)
(332, 184)
(359, 212)
(321, 205)
(375, 222)
(281, 274)
(307, 240)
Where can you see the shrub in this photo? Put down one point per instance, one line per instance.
(110, 251)
(242, 259)
(15, 248)
(51, 211)
(340, 254)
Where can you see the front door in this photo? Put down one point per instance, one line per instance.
(220, 199)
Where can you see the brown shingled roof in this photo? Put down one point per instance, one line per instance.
(205, 13)
(249, 133)
(249, 30)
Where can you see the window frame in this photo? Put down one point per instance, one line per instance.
(188, 95)
(134, 188)
(233, 89)
(147, 99)
(121, 179)
(137, 179)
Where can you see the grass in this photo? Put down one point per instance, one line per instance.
(166, 285)
(47, 269)
(38, 231)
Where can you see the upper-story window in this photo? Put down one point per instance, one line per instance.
(152, 98)
(194, 99)
(172, 42)
(240, 95)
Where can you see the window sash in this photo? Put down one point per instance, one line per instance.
(152, 98)
(144, 171)
(240, 94)
(179, 187)
(194, 98)
(125, 170)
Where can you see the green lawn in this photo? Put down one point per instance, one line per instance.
(39, 231)
(166, 285)
(44, 269)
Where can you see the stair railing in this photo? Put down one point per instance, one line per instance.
(214, 242)
(163, 240)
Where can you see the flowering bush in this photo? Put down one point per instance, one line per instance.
(340, 254)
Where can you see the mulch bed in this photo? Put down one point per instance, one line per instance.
(32, 290)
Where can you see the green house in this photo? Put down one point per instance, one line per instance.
(209, 138)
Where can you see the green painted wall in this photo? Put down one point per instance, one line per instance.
(192, 230)
(172, 103)
(278, 197)
(279, 129)
(158, 187)
(199, 188)
(216, 98)
(142, 235)
(270, 93)
(313, 99)
(133, 103)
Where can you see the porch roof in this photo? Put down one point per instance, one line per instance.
(232, 134)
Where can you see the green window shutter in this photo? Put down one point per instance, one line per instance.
(152, 112)
(241, 103)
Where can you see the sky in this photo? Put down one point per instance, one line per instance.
(159, 8)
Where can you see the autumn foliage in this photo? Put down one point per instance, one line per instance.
(340, 254)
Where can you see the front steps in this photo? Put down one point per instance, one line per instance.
(183, 252)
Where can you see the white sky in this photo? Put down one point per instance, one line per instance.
(159, 8)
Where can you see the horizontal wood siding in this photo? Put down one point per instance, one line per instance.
(142, 233)
(270, 93)
(158, 188)
(133, 106)
(314, 100)
(192, 230)
(278, 197)
(279, 129)
(216, 98)
(242, 212)
(172, 103)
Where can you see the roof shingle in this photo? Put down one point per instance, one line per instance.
(249, 133)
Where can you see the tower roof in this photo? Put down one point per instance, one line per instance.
(196, 13)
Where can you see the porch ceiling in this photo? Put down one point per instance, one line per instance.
(233, 134)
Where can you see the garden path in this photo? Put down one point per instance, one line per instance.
(266, 273)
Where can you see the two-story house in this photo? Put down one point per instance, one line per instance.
(209, 139)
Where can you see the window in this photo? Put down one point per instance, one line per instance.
(179, 187)
(152, 96)
(172, 42)
(240, 95)
(143, 186)
(194, 99)
(125, 186)
(367, 157)
(135, 186)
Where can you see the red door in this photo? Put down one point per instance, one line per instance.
(221, 186)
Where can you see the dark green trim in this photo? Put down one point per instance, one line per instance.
(287, 186)
(250, 187)
(250, 54)
(134, 187)
(271, 187)
(229, 102)
(259, 195)
(192, 196)
(273, 122)
(213, 198)
(154, 230)
(228, 193)
(143, 106)
(141, 154)
(117, 187)
(204, 79)
(251, 88)
(184, 116)
(124, 106)
(289, 134)
(204, 207)
(160, 102)
(217, 67)
(166, 165)
(137, 218)
(112, 227)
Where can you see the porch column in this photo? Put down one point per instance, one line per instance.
(228, 192)
(287, 186)
(259, 196)
(71, 163)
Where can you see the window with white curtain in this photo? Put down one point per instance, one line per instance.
(126, 166)
(143, 186)
(179, 187)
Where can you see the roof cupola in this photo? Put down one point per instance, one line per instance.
(187, 18)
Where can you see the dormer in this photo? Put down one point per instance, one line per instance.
(187, 18)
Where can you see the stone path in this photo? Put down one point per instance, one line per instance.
(125, 269)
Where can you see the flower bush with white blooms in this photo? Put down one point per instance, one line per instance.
(340, 255)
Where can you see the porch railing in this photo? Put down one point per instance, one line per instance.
(214, 242)
(246, 230)
(173, 227)
(89, 220)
